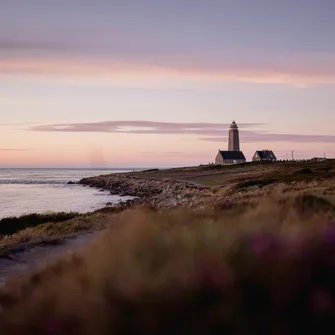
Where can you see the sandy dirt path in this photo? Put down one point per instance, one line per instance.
(30, 258)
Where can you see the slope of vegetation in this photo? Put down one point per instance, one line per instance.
(261, 269)
(214, 175)
(12, 225)
(21, 232)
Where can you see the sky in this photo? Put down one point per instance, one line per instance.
(145, 83)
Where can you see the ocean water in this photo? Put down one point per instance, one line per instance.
(24, 191)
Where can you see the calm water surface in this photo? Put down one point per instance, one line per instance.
(24, 191)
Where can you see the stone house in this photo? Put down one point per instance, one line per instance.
(264, 155)
(229, 157)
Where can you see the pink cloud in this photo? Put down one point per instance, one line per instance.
(214, 132)
(142, 127)
(252, 137)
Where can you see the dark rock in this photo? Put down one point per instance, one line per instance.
(71, 183)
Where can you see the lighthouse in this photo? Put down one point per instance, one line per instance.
(233, 155)
(234, 139)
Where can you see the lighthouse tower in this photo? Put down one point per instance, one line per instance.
(234, 139)
(233, 155)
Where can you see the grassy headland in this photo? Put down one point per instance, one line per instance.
(211, 186)
(194, 186)
(246, 249)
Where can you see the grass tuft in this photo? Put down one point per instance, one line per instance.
(12, 225)
(48, 228)
(311, 203)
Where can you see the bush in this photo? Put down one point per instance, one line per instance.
(12, 225)
(304, 171)
(312, 203)
(256, 182)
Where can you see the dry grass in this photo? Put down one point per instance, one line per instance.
(12, 225)
(264, 269)
(47, 228)
(214, 175)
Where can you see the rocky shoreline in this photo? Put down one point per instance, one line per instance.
(174, 192)
(158, 193)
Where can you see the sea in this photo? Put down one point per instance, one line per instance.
(26, 191)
